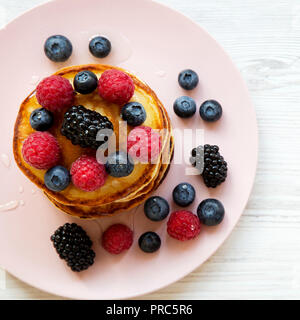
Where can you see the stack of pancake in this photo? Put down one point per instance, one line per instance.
(117, 194)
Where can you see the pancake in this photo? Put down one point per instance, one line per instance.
(92, 212)
(114, 188)
(115, 206)
(127, 203)
(147, 186)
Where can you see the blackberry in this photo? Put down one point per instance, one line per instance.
(210, 163)
(82, 125)
(74, 246)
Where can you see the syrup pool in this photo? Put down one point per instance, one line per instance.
(5, 160)
(34, 80)
(11, 205)
(161, 73)
(121, 46)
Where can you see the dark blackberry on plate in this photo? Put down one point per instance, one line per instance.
(100, 47)
(82, 127)
(184, 194)
(211, 111)
(211, 212)
(85, 82)
(41, 119)
(74, 246)
(58, 48)
(134, 113)
(184, 107)
(119, 164)
(188, 79)
(149, 242)
(210, 163)
(156, 208)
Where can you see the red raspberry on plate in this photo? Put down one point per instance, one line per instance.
(144, 144)
(87, 173)
(183, 225)
(116, 86)
(117, 238)
(55, 93)
(41, 150)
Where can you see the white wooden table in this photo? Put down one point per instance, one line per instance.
(261, 259)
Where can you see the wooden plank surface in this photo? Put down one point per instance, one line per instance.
(261, 259)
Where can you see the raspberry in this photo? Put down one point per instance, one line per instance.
(88, 174)
(117, 238)
(55, 93)
(116, 86)
(183, 225)
(41, 150)
(144, 144)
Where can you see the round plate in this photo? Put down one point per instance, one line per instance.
(156, 43)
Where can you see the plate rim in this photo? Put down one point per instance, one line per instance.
(253, 176)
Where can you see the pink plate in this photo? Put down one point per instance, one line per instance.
(156, 43)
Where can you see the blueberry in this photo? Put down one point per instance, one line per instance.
(188, 79)
(211, 212)
(119, 164)
(100, 47)
(134, 113)
(184, 194)
(85, 82)
(184, 107)
(210, 110)
(149, 242)
(156, 208)
(58, 48)
(41, 119)
(57, 178)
